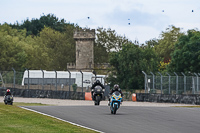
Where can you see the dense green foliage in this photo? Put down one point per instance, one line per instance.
(13, 46)
(166, 43)
(107, 41)
(186, 55)
(49, 50)
(34, 26)
(47, 43)
(129, 63)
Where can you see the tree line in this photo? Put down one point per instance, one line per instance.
(47, 43)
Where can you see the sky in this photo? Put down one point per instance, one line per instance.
(140, 20)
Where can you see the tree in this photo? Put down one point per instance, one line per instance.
(110, 40)
(100, 54)
(150, 57)
(53, 50)
(34, 26)
(186, 56)
(129, 63)
(166, 42)
(107, 41)
(12, 52)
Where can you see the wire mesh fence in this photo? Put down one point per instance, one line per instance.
(32, 83)
(10, 79)
(172, 84)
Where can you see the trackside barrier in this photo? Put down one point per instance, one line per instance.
(169, 98)
(37, 93)
(88, 96)
(59, 94)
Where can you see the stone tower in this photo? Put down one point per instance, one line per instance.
(84, 49)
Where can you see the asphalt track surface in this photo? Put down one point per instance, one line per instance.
(129, 119)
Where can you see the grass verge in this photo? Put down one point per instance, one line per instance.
(14, 119)
(29, 104)
(188, 106)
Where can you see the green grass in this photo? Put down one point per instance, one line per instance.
(14, 119)
(188, 106)
(29, 104)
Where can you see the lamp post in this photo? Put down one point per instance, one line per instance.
(169, 81)
(82, 81)
(145, 81)
(176, 82)
(42, 79)
(160, 81)
(197, 82)
(153, 81)
(28, 81)
(69, 82)
(55, 78)
(184, 82)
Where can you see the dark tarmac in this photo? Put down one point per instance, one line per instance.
(129, 119)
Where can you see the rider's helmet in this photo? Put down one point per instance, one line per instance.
(8, 90)
(98, 81)
(116, 87)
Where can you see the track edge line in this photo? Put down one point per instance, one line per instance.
(61, 119)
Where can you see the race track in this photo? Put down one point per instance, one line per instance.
(129, 119)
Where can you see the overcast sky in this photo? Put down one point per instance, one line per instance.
(147, 18)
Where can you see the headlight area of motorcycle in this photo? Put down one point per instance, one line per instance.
(117, 98)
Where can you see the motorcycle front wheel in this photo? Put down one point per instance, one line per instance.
(115, 109)
(98, 98)
(111, 112)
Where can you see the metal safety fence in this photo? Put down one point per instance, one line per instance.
(51, 84)
(172, 83)
(10, 79)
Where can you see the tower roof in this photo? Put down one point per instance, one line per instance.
(85, 34)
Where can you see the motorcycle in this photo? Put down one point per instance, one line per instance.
(8, 100)
(115, 102)
(98, 95)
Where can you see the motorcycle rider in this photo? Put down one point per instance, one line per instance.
(115, 88)
(8, 92)
(94, 85)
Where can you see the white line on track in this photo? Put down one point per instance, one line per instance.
(61, 119)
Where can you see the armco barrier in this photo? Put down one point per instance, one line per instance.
(36, 93)
(163, 98)
(140, 97)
